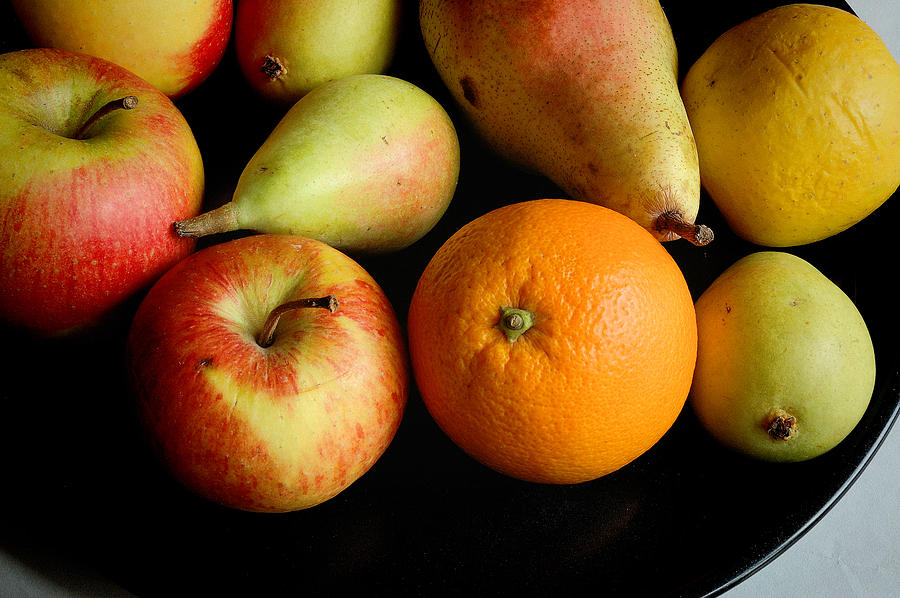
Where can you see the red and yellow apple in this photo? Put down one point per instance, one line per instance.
(88, 188)
(172, 44)
(270, 372)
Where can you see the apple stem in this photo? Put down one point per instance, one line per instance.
(126, 103)
(267, 335)
(671, 221)
(221, 220)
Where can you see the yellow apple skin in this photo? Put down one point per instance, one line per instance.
(172, 44)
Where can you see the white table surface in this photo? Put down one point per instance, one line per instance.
(853, 552)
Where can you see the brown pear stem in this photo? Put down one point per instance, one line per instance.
(272, 67)
(698, 234)
(126, 103)
(267, 335)
(781, 425)
(221, 220)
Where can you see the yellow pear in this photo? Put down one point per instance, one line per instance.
(585, 93)
(796, 114)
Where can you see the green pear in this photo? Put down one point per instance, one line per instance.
(585, 93)
(367, 164)
(785, 364)
(286, 48)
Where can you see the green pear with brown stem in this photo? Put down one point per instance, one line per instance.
(366, 163)
(286, 48)
(585, 93)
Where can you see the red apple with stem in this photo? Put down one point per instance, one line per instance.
(270, 372)
(97, 163)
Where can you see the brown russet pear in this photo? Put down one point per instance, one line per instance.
(585, 93)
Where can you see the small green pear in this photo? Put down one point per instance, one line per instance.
(785, 364)
(367, 164)
(286, 48)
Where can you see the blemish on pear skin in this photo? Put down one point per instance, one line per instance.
(468, 89)
(204, 363)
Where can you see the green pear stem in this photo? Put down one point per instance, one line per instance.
(126, 103)
(698, 234)
(267, 334)
(221, 220)
(515, 322)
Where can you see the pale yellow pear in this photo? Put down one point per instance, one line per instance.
(367, 163)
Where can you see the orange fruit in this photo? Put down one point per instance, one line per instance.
(606, 345)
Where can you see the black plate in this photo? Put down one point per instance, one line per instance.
(686, 519)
